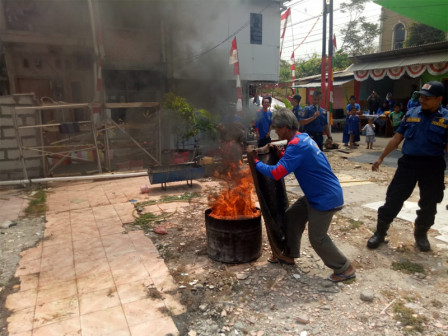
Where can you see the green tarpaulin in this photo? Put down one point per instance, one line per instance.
(432, 13)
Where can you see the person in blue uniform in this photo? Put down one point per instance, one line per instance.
(354, 127)
(414, 101)
(323, 196)
(316, 122)
(296, 109)
(348, 110)
(263, 123)
(425, 132)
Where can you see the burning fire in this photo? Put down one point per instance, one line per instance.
(237, 201)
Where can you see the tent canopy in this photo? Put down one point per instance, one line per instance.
(432, 13)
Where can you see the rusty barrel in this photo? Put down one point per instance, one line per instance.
(233, 241)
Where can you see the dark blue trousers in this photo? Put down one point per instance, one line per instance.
(426, 171)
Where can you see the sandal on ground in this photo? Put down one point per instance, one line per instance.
(286, 260)
(273, 259)
(341, 277)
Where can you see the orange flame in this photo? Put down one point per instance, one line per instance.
(237, 201)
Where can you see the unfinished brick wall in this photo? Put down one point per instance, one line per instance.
(10, 164)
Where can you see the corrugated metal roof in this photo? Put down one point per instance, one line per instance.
(317, 84)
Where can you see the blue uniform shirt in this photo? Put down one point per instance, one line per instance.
(353, 124)
(425, 134)
(317, 125)
(350, 106)
(298, 112)
(263, 122)
(311, 168)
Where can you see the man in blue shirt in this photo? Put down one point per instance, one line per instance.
(316, 121)
(323, 196)
(296, 109)
(425, 133)
(263, 123)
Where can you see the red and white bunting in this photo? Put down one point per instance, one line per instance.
(413, 71)
(284, 21)
(437, 69)
(396, 72)
(233, 59)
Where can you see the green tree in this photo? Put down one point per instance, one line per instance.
(308, 67)
(420, 33)
(359, 35)
(340, 61)
(285, 71)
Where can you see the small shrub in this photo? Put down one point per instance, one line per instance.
(408, 267)
(352, 225)
(37, 205)
(408, 317)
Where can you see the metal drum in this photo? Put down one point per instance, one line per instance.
(233, 241)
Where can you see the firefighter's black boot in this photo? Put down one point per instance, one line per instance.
(421, 238)
(379, 236)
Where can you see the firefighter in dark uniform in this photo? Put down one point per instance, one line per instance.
(425, 133)
(315, 121)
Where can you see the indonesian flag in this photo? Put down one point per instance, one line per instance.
(284, 20)
(233, 52)
(233, 59)
(236, 71)
(334, 42)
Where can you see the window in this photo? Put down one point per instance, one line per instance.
(256, 28)
(399, 36)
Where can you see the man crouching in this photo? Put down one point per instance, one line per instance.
(323, 196)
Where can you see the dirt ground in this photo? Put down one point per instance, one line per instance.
(398, 290)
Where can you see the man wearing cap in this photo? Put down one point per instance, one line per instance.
(315, 121)
(425, 132)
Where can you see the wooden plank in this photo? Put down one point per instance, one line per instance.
(52, 107)
(49, 125)
(132, 105)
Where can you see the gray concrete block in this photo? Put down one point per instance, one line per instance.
(18, 175)
(2, 154)
(30, 142)
(7, 100)
(35, 173)
(28, 132)
(6, 165)
(29, 121)
(5, 121)
(33, 163)
(8, 133)
(6, 110)
(8, 143)
(13, 154)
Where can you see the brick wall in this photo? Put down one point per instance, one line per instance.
(10, 163)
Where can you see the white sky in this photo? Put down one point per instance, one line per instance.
(304, 14)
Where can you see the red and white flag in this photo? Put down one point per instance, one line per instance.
(284, 21)
(236, 71)
(334, 43)
(293, 70)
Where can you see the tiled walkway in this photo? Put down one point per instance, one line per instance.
(88, 276)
